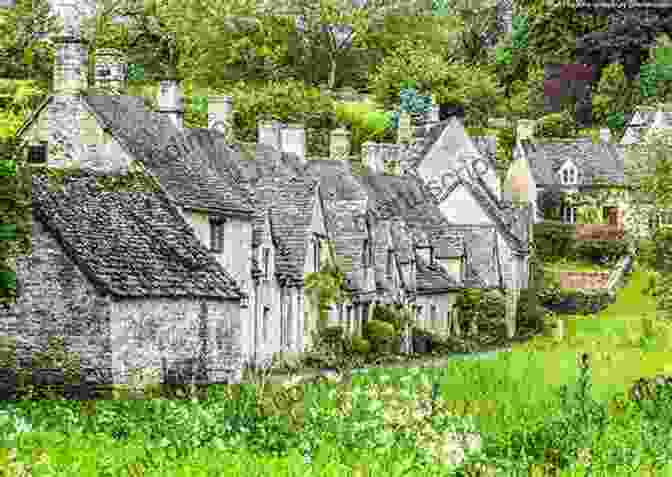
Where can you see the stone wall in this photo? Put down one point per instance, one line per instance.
(144, 331)
(54, 298)
(584, 279)
(599, 232)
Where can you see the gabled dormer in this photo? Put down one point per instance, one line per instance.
(569, 174)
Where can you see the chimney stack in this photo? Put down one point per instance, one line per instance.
(339, 144)
(268, 133)
(372, 157)
(171, 101)
(220, 114)
(605, 135)
(293, 139)
(110, 70)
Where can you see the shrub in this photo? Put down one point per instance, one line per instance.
(380, 334)
(597, 251)
(332, 335)
(360, 345)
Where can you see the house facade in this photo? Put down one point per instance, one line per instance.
(573, 166)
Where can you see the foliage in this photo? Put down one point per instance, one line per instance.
(556, 125)
(365, 123)
(287, 101)
(549, 202)
(360, 345)
(553, 240)
(380, 334)
(520, 32)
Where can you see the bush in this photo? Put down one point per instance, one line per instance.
(388, 314)
(380, 334)
(360, 345)
(332, 335)
(598, 251)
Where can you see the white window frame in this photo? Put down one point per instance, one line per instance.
(568, 214)
(569, 174)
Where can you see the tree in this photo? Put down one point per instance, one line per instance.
(23, 52)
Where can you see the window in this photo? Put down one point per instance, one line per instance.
(390, 261)
(568, 214)
(317, 248)
(366, 253)
(265, 324)
(266, 259)
(569, 175)
(216, 235)
(37, 153)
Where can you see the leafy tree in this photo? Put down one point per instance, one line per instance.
(23, 52)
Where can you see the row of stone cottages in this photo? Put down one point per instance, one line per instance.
(216, 241)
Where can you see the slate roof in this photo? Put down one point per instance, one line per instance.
(130, 244)
(487, 146)
(291, 220)
(594, 160)
(169, 154)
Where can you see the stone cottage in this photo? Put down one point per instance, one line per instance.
(124, 280)
(575, 164)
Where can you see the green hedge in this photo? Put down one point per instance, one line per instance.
(554, 240)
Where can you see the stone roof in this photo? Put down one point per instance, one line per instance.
(291, 220)
(594, 160)
(130, 244)
(169, 154)
(487, 146)
(450, 246)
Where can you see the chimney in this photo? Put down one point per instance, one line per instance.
(171, 101)
(605, 135)
(293, 139)
(64, 113)
(339, 144)
(525, 129)
(110, 70)
(372, 157)
(268, 133)
(220, 114)
(434, 111)
(425, 253)
(70, 66)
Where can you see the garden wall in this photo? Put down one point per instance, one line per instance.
(583, 280)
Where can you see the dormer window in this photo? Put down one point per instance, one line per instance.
(217, 235)
(37, 153)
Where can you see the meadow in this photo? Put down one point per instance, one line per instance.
(548, 407)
